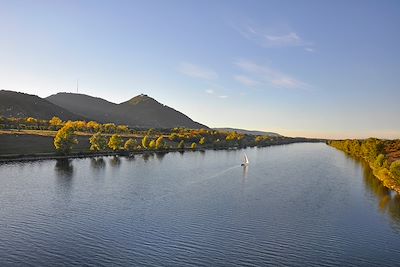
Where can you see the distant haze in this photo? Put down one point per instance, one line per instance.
(298, 68)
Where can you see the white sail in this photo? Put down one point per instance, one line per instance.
(246, 159)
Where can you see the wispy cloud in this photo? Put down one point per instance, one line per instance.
(267, 75)
(223, 96)
(210, 91)
(309, 49)
(245, 80)
(272, 38)
(195, 71)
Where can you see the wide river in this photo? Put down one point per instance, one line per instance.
(297, 205)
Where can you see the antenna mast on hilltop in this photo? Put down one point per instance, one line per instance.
(77, 85)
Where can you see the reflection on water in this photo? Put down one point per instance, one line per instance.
(115, 161)
(388, 201)
(64, 168)
(146, 156)
(97, 163)
(245, 172)
(160, 155)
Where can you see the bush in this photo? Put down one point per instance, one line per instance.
(395, 169)
(193, 146)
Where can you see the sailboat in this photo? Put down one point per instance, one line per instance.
(245, 160)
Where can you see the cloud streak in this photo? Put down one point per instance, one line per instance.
(198, 72)
(268, 38)
(245, 80)
(267, 76)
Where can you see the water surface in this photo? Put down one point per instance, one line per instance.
(297, 205)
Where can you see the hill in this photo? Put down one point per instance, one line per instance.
(140, 111)
(15, 104)
(243, 131)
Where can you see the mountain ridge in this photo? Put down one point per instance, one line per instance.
(250, 132)
(18, 104)
(141, 111)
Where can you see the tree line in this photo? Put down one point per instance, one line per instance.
(375, 151)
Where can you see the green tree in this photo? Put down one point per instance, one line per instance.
(130, 144)
(115, 142)
(98, 142)
(181, 145)
(160, 142)
(395, 169)
(65, 139)
(145, 141)
(193, 146)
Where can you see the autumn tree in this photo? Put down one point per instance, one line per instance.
(65, 139)
(173, 137)
(93, 126)
(55, 121)
(160, 143)
(109, 127)
(98, 142)
(202, 141)
(181, 145)
(130, 144)
(122, 129)
(395, 169)
(152, 144)
(145, 141)
(193, 146)
(115, 142)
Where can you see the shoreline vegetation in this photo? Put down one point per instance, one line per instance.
(25, 139)
(383, 157)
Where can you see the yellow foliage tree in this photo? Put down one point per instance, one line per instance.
(65, 139)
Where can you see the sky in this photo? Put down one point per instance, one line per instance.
(326, 69)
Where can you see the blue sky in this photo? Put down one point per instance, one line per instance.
(301, 68)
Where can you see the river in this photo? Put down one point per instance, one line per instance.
(295, 205)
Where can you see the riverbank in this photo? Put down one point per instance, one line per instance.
(380, 155)
(91, 154)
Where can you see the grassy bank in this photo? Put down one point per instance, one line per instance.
(383, 156)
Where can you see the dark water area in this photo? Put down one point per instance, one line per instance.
(295, 205)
